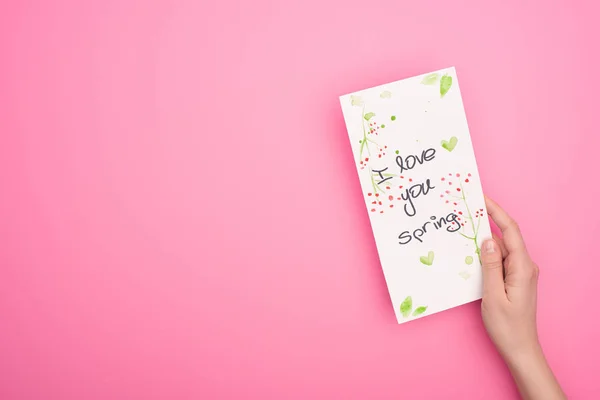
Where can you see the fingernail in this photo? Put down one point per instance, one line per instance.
(489, 247)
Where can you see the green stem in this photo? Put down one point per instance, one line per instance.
(365, 139)
(475, 231)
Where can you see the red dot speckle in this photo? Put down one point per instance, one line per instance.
(391, 197)
(458, 175)
(443, 179)
(372, 210)
(468, 174)
(410, 180)
(449, 183)
(447, 202)
(467, 180)
(391, 206)
(458, 189)
(366, 158)
(460, 213)
(450, 174)
(376, 194)
(369, 194)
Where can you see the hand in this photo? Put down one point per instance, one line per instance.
(509, 308)
(509, 288)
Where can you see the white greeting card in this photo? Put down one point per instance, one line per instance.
(419, 178)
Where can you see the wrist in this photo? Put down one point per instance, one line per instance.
(533, 375)
(525, 357)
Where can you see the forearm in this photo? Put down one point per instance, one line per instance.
(533, 376)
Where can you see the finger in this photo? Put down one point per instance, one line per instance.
(511, 236)
(500, 244)
(491, 265)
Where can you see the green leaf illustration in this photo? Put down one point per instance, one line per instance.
(427, 260)
(386, 95)
(406, 307)
(356, 100)
(369, 115)
(445, 84)
(468, 260)
(451, 144)
(430, 79)
(419, 311)
(393, 117)
(464, 274)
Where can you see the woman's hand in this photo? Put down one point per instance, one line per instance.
(509, 308)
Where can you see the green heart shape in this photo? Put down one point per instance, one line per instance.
(427, 260)
(450, 145)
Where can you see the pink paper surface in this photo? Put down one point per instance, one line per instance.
(180, 217)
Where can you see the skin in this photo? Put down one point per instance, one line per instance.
(509, 305)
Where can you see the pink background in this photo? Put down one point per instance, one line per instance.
(180, 216)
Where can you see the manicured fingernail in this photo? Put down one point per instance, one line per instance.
(489, 246)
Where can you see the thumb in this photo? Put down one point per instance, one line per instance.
(491, 263)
